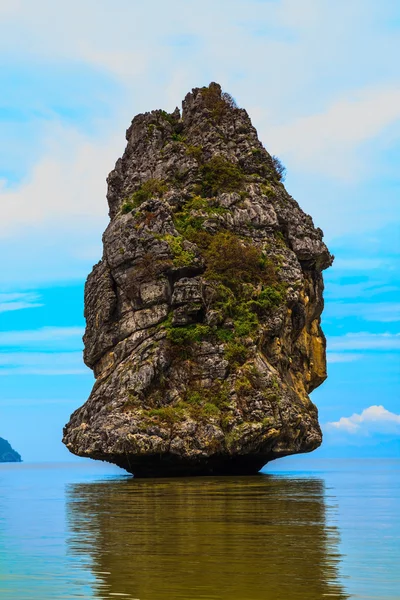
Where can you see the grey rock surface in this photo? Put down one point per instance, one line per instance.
(203, 315)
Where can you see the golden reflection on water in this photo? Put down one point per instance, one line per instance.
(247, 538)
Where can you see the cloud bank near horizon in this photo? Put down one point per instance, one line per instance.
(374, 419)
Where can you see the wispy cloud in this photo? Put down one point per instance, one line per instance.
(327, 141)
(43, 351)
(342, 357)
(360, 264)
(365, 341)
(75, 167)
(42, 363)
(44, 334)
(374, 419)
(382, 312)
(18, 301)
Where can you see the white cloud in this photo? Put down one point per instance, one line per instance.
(375, 419)
(44, 334)
(18, 301)
(66, 188)
(328, 141)
(365, 341)
(52, 223)
(42, 363)
(10, 7)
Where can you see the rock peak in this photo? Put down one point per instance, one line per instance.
(203, 316)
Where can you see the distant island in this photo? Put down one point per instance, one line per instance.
(7, 454)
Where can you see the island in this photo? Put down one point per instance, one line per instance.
(7, 454)
(203, 315)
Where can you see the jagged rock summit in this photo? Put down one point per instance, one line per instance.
(203, 316)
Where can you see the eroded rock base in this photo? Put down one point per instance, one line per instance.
(163, 466)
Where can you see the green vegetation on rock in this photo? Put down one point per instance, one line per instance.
(182, 257)
(220, 175)
(187, 334)
(242, 285)
(152, 188)
(216, 102)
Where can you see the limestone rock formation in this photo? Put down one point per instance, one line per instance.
(203, 316)
(7, 454)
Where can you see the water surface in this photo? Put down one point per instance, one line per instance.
(88, 531)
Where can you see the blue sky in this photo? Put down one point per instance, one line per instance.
(321, 82)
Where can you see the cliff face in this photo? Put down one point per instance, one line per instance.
(7, 454)
(203, 316)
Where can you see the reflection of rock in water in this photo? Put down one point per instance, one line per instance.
(242, 539)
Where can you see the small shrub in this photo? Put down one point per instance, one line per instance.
(229, 100)
(194, 398)
(167, 414)
(217, 102)
(210, 410)
(231, 262)
(236, 353)
(224, 334)
(149, 189)
(187, 224)
(269, 298)
(268, 190)
(243, 386)
(178, 137)
(279, 168)
(220, 175)
(168, 117)
(188, 334)
(182, 257)
(280, 238)
(151, 128)
(197, 203)
(195, 151)
(246, 323)
(127, 207)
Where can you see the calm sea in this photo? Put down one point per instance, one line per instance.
(87, 531)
